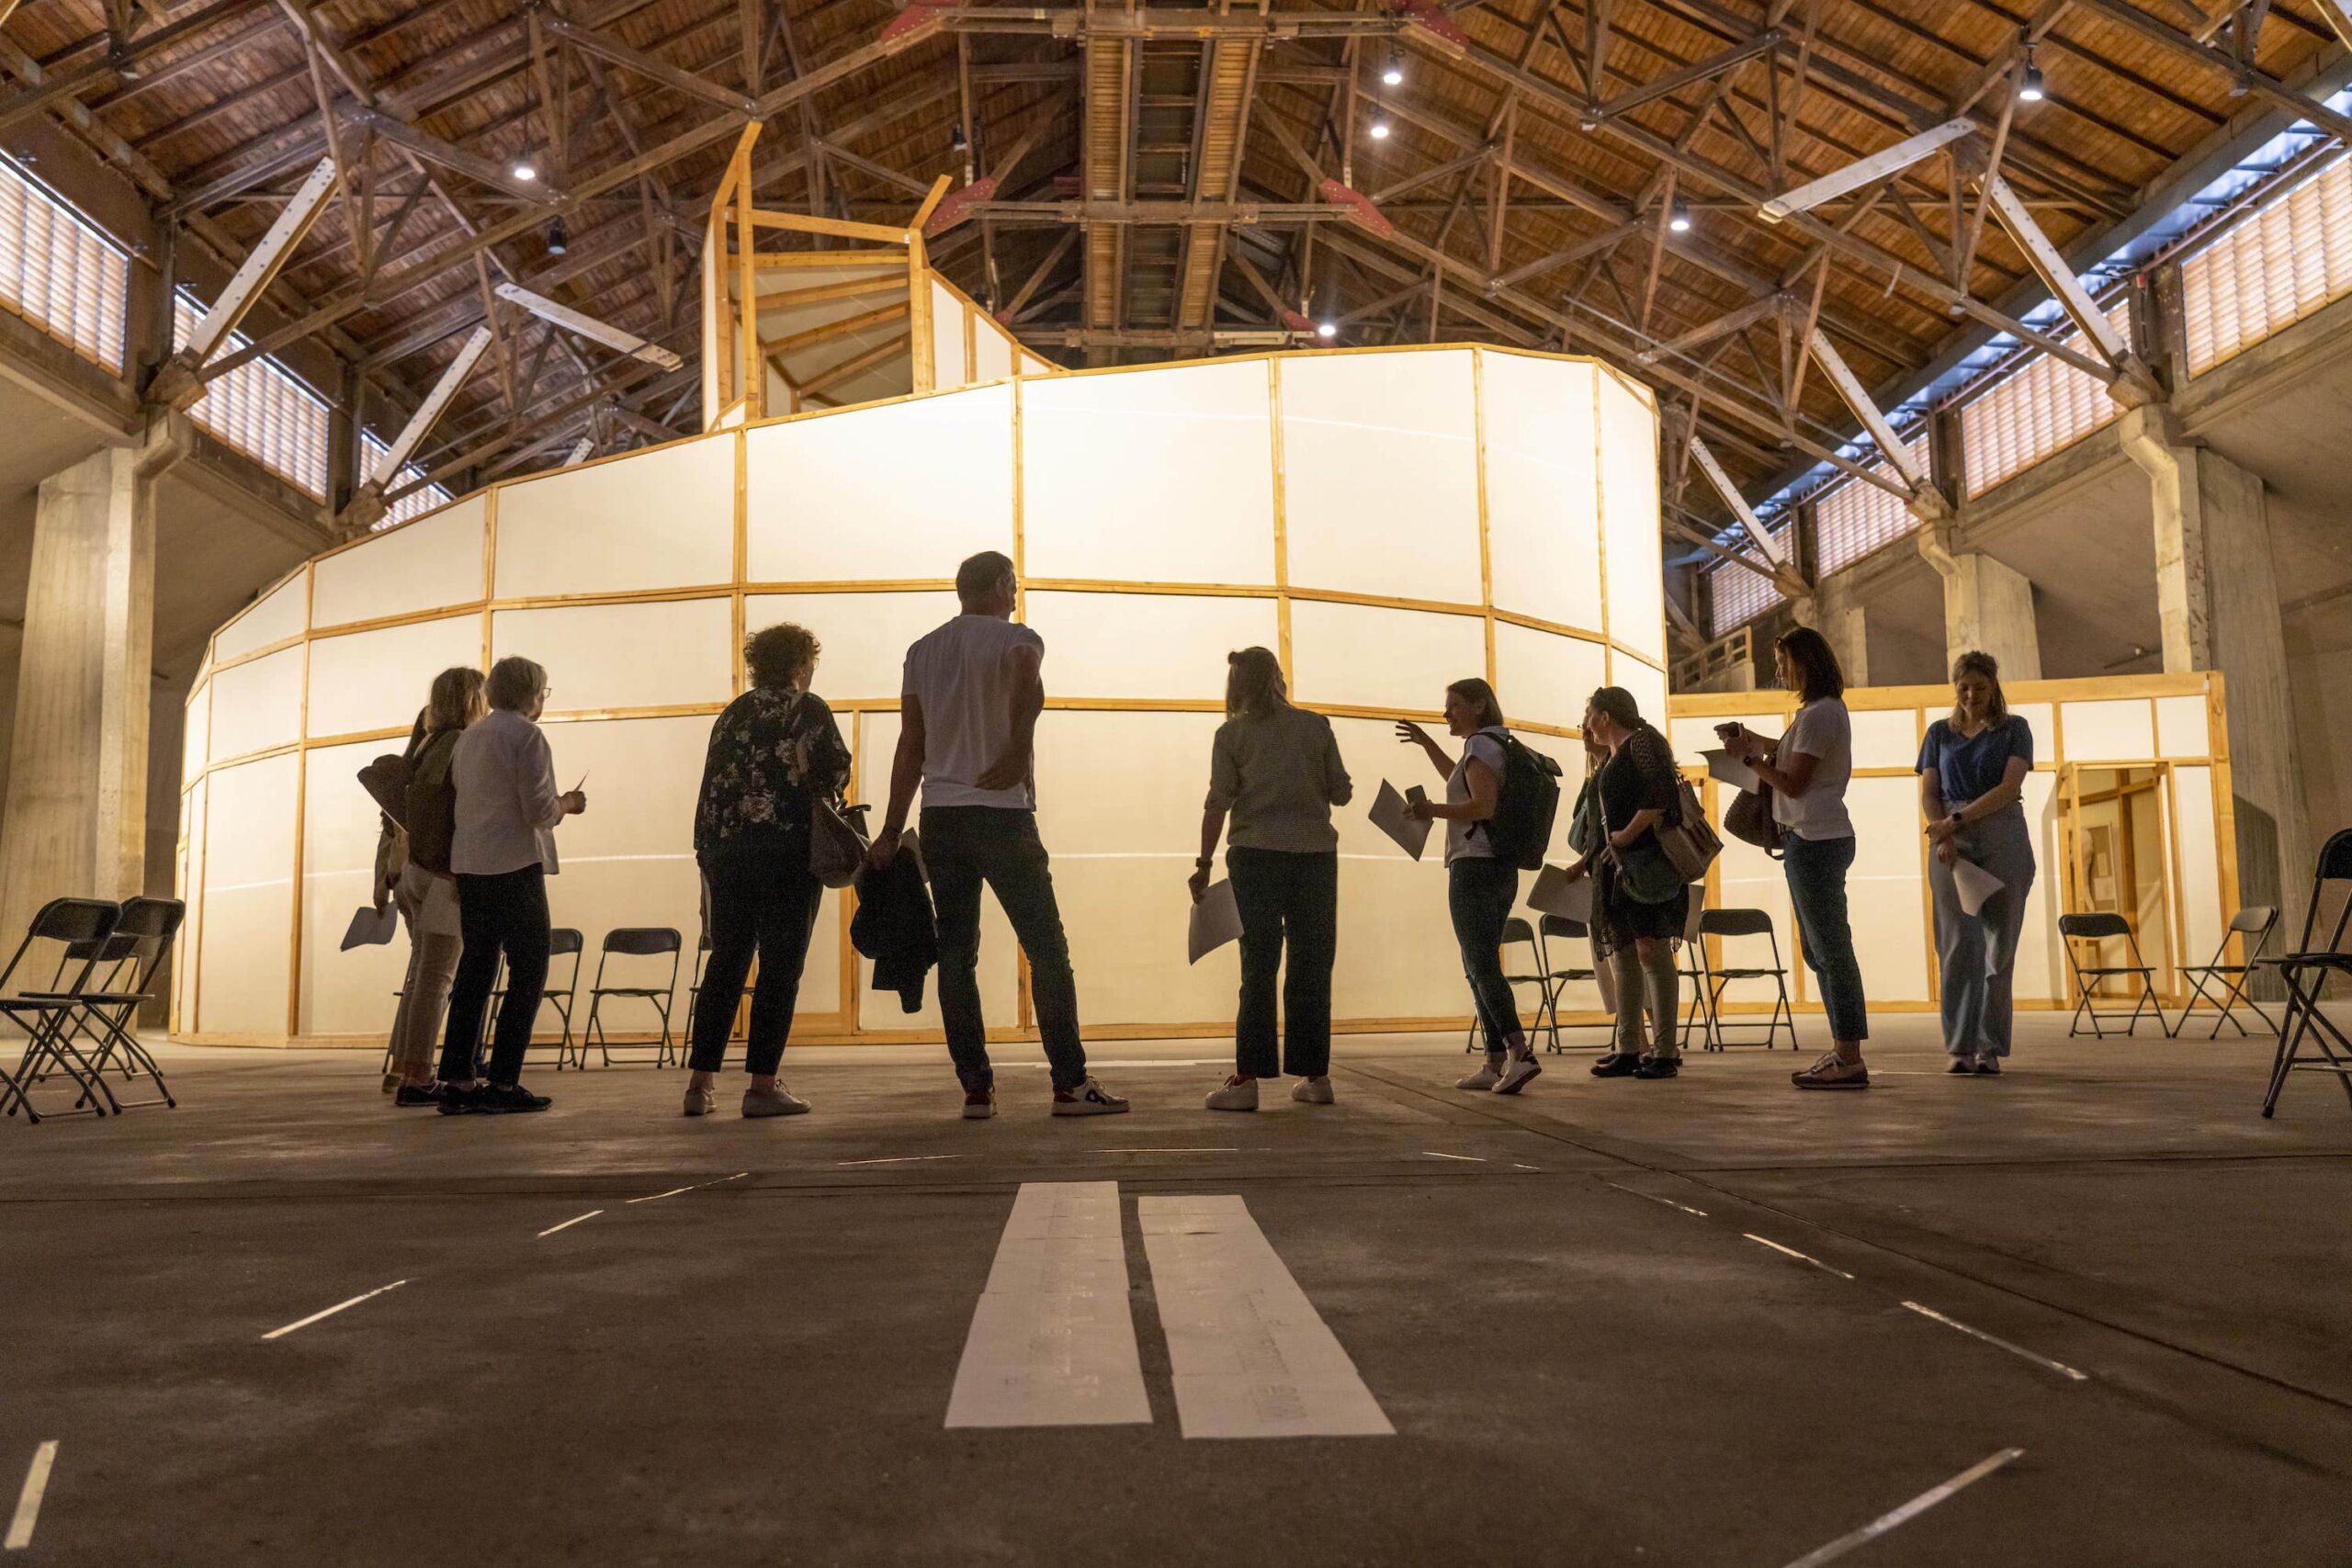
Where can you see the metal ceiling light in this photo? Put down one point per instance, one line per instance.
(559, 242)
(1379, 128)
(1327, 329)
(2029, 89)
(524, 170)
(1677, 216)
(955, 141)
(1392, 74)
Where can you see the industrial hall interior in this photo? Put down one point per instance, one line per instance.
(1646, 703)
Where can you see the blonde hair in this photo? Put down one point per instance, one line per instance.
(455, 700)
(1253, 683)
(1976, 661)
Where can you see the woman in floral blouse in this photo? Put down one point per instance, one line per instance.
(773, 753)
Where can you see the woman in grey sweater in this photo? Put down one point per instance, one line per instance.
(1274, 770)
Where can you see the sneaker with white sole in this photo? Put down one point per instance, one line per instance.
(1312, 1091)
(700, 1101)
(1518, 1073)
(1088, 1099)
(980, 1104)
(777, 1101)
(1831, 1073)
(1486, 1078)
(1234, 1094)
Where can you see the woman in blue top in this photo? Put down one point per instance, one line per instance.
(1972, 783)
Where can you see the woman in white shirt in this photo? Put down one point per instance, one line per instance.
(1808, 768)
(1480, 888)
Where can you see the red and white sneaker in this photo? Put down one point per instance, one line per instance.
(1087, 1099)
(980, 1104)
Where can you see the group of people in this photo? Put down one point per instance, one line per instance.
(468, 862)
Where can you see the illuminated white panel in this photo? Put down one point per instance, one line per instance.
(624, 656)
(1647, 687)
(1689, 737)
(2181, 727)
(1543, 502)
(1161, 475)
(343, 993)
(1145, 645)
(258, 705)
(862, 638)
(2041, 965)
(433, 562)
(248, 898)
(991, 352)
(2121, 730)
(1380, 474)
(663, 518)
(896, 491)
(188, 890)
(1885, 738)
(1356, 656)
(1889, 917)
(275, 616)
(2199, 864)
(1543, 678)
(1747, 878)
(195, 730)
(377, 679)
(1398, 958)
(948, 370)
(1629, 516)
(2041, 718)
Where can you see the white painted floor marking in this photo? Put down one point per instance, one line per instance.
(657, 1197)
(1517, 1166)
(1792, 1252)
(1251, 1356)
(1471, 1159)
(1653, 1197)
(1052, 1342)
(896, 1159)
(2059, 1366)
(1913, 1509)
(339, 1306)
(20, 1527)
(570, 1222)
(1176, 1149)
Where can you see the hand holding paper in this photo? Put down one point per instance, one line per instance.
(1217, 919)
(1555, 894)
(1725, 768)
(1390, 816)
(1974, 883)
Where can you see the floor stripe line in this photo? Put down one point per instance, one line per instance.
(896, 1159)
(1174, 1149)
(339, 1306)
(1792, 1252)
(1911, 1510)
(2059, 1366)
(1469, 1159)
(1656, 1199)
(20, 1527)
(567, 1224)
(654, 1197)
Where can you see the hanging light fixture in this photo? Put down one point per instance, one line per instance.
(1378, 130)
(1392, 74)
(955, 141)
(2029, 89)
(1327, 329)
(524, 170)
(559, 242)
(1677, 216)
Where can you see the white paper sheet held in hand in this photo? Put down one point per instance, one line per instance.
(371, 927)
(1554, 894)
(1725, 768)
(1388, 816)
(1974, 883)
(1217, 919)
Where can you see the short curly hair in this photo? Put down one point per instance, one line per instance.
(777, 653)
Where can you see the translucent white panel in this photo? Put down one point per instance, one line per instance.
(1398, 958)
(376, 680)
(189, 891)
(728, 418)
(1543, 507)
(1691, 736)
(1647, 687)
(343, 993)
(663, 518)
(1747, 878)
(248, 898)
(1362, 656)
(624, 656)
(2199, 865)
(1032, 366)
(2122, 730)
(1885, 738)
(274, 618)
(2181, 728)
(1122, 836)
(1145, 645)
(896, 491)
(1630, 520)
(257, 705)
(195, 730)
(433, 561)
(1380, 474)
(946, 340)
(1885, 891)
(1155, 475)
(2041, 965)
(991, 352)
(2040, 717)
(875, 737)
(1543, 678)
(861, 637)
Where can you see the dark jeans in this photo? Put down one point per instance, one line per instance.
(1284, 893)
(963, 847)
(506, 913)
(763, 902)
(1480, 894)
(1816, 871)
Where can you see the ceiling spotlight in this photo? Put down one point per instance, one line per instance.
(559, 242)
(1327, 329)
(524, 170)
(955, 141)
(2029, 90)
(1392, 74)
(1379, 131)
(1677, 218)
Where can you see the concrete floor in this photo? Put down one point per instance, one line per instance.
(1586, 1356)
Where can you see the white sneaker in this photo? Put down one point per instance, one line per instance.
(1486, 1078)
(1087, 1099)
(779, 1101)
(1312, 1091)
(1516, 1073)
(1231, 1096)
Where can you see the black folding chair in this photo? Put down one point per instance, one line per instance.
(694, 991)
(2097, 929)
(2254, 922)
(2306, 970)
(1697, 977)
(129, 956)
(1559, 977)
(634, 941)
(80, 927)
(1518, 933)
(1729, 923)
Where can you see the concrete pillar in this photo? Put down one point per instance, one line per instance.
(1838, 615)
(1989, 607)
(76, 816)
(2208, 511)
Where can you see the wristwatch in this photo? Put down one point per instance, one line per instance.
(1205, 863)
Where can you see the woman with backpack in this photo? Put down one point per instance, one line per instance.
(426, 893)
(1481, 886)
(1641, 903)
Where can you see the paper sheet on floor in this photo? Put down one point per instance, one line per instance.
(1974, 883)
(1388, 816)
(1052, 1342)
(1554, 894)
(1217, 919)
(1725, 768)
(371, 927)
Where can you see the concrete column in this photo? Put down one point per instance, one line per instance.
(2208, 511)
(1838, 615)
(1988, 606)
(75, 821)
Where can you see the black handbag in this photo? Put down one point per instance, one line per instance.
(1749, 820)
